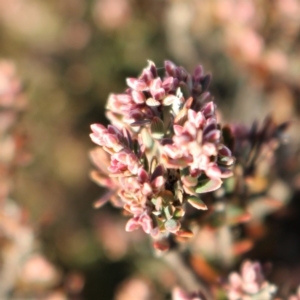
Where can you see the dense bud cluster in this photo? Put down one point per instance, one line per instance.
(163, 149)
(250, 284)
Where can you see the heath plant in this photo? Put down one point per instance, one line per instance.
(180, 175)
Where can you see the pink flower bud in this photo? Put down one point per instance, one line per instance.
(136, 84)
(198, 73)
(138, 97)
(132, 224)
(170, 68)
(209, 110)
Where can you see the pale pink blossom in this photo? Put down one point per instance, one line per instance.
(250, 283)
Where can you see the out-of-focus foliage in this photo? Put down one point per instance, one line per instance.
(25, 271)
(71, 54)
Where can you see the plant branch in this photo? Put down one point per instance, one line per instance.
(187, 277)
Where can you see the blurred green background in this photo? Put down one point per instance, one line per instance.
(71, 54)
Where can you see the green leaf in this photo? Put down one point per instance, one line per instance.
(157, 128)
(228, 137)
(144, 161)
(172, 225)
(189, 181)
(185, 171)
(197, 202)
(205, 82)
(226, 160)
(230, 184)
(135, 147)
(159, 223)
(140, 123)
(168, 211)
(154, 201)
(147, 138)
(208, 185)
(185, 90)
(178, 213)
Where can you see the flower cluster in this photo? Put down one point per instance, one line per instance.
(164, 147)
(146, 95)
(249, 284)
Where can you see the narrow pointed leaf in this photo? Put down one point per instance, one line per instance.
(181, 117)
(198, 73)
(185, 233)
(243, 246)
(189, 190)
(185, 90)
(161, 245)
(226, 160)
(196, 202)
(140, 123)
(145, 162)
(205, 82)
(104, 199)
(157, 128)
(168, 211)
(228, 137)
(189, 181)
(178, 213)
(208, 185)
(147, 138)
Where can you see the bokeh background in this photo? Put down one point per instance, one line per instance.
(70, 54)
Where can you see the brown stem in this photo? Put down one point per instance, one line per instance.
(188, 279)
